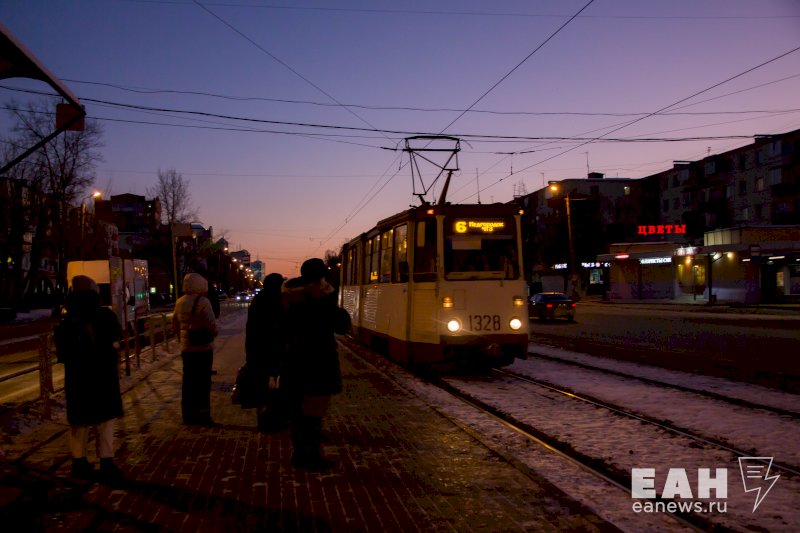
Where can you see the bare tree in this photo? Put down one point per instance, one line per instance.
(52, 177)
(172, 189)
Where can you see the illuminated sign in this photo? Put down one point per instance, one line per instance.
(687, 250)
(560, 266)
(596, 265)
(661, 229)
(478, 226)
(655, 260)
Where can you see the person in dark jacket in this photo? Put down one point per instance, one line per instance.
(265, 345)
(311, 373)
(87, 339)
(193, 311)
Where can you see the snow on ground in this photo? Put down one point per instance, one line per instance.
(725, 387)
(629, 444)
(754, 431)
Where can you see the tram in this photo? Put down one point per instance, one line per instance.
(439, 285)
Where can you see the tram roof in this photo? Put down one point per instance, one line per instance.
(422, 211)
(429, 210)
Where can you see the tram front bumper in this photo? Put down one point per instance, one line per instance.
(493, 346)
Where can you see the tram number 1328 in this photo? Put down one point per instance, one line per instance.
(484, 322)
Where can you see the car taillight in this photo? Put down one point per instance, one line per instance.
(572, 304)
(549, 306)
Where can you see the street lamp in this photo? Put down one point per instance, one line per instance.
(96, 195)
(572, 267)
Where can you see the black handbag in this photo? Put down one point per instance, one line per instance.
(247, 387)
(198, 336)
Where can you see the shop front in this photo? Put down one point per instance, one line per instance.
(743, 265)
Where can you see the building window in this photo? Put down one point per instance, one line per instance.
(729, 191)
(665, 205)
(775, 176)
(758, 212)
(676, 203)
(760, 183)
(742, 187)
(675, 182)
(626, 191)
(710, 168)
(746, 214)
(686, 199)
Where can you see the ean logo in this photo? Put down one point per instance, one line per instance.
(755, 477)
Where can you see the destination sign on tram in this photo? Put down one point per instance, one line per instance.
(478, 226)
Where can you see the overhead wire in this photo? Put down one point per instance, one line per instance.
(472, 137)
(510, 72)
(143, 90)
(464, 13)
(310, 83)
(630, 123)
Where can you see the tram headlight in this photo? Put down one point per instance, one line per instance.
(515, 323)
(453, 325)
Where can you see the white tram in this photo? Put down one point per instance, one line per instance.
(437, 285)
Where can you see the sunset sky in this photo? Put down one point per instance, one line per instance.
(289, 118)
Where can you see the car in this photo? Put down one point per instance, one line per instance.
(243, 297)
(551, 305)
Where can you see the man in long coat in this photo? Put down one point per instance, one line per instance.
(311, 373)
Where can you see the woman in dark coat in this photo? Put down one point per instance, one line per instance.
(86, 340)
(311, 373)
(265, 344)
(193, 311)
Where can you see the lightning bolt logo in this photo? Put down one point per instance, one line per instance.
(755, 476)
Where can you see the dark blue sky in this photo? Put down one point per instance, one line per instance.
(364, 75)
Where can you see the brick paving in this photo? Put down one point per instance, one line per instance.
(400, 467)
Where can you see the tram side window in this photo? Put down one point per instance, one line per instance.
(401, 254)
(351, 267)
(386, 257)
(367, 260)
(425, 251)
(374, 258)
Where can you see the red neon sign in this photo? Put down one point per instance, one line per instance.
(661, 229)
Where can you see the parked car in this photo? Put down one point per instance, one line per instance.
(551, 305)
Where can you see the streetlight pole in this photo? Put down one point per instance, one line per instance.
(573, 271)
(95, 195)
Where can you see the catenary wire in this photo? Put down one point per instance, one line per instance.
(144, 90)
(682, 100)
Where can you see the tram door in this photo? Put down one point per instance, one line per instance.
(423, 309)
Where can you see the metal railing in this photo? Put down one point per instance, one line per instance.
(157, 330)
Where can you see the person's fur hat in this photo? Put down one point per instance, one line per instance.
(313, 270)
(84, 283)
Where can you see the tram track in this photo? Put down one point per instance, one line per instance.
(597, 468)
(709, 394)
(661, 424)
(607, 480)
(618, 442)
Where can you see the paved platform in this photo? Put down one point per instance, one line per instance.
(400, 467)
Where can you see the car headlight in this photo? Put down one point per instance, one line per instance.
(453, 325)
(515, 323)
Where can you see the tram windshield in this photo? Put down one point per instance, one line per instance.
(480, 248)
